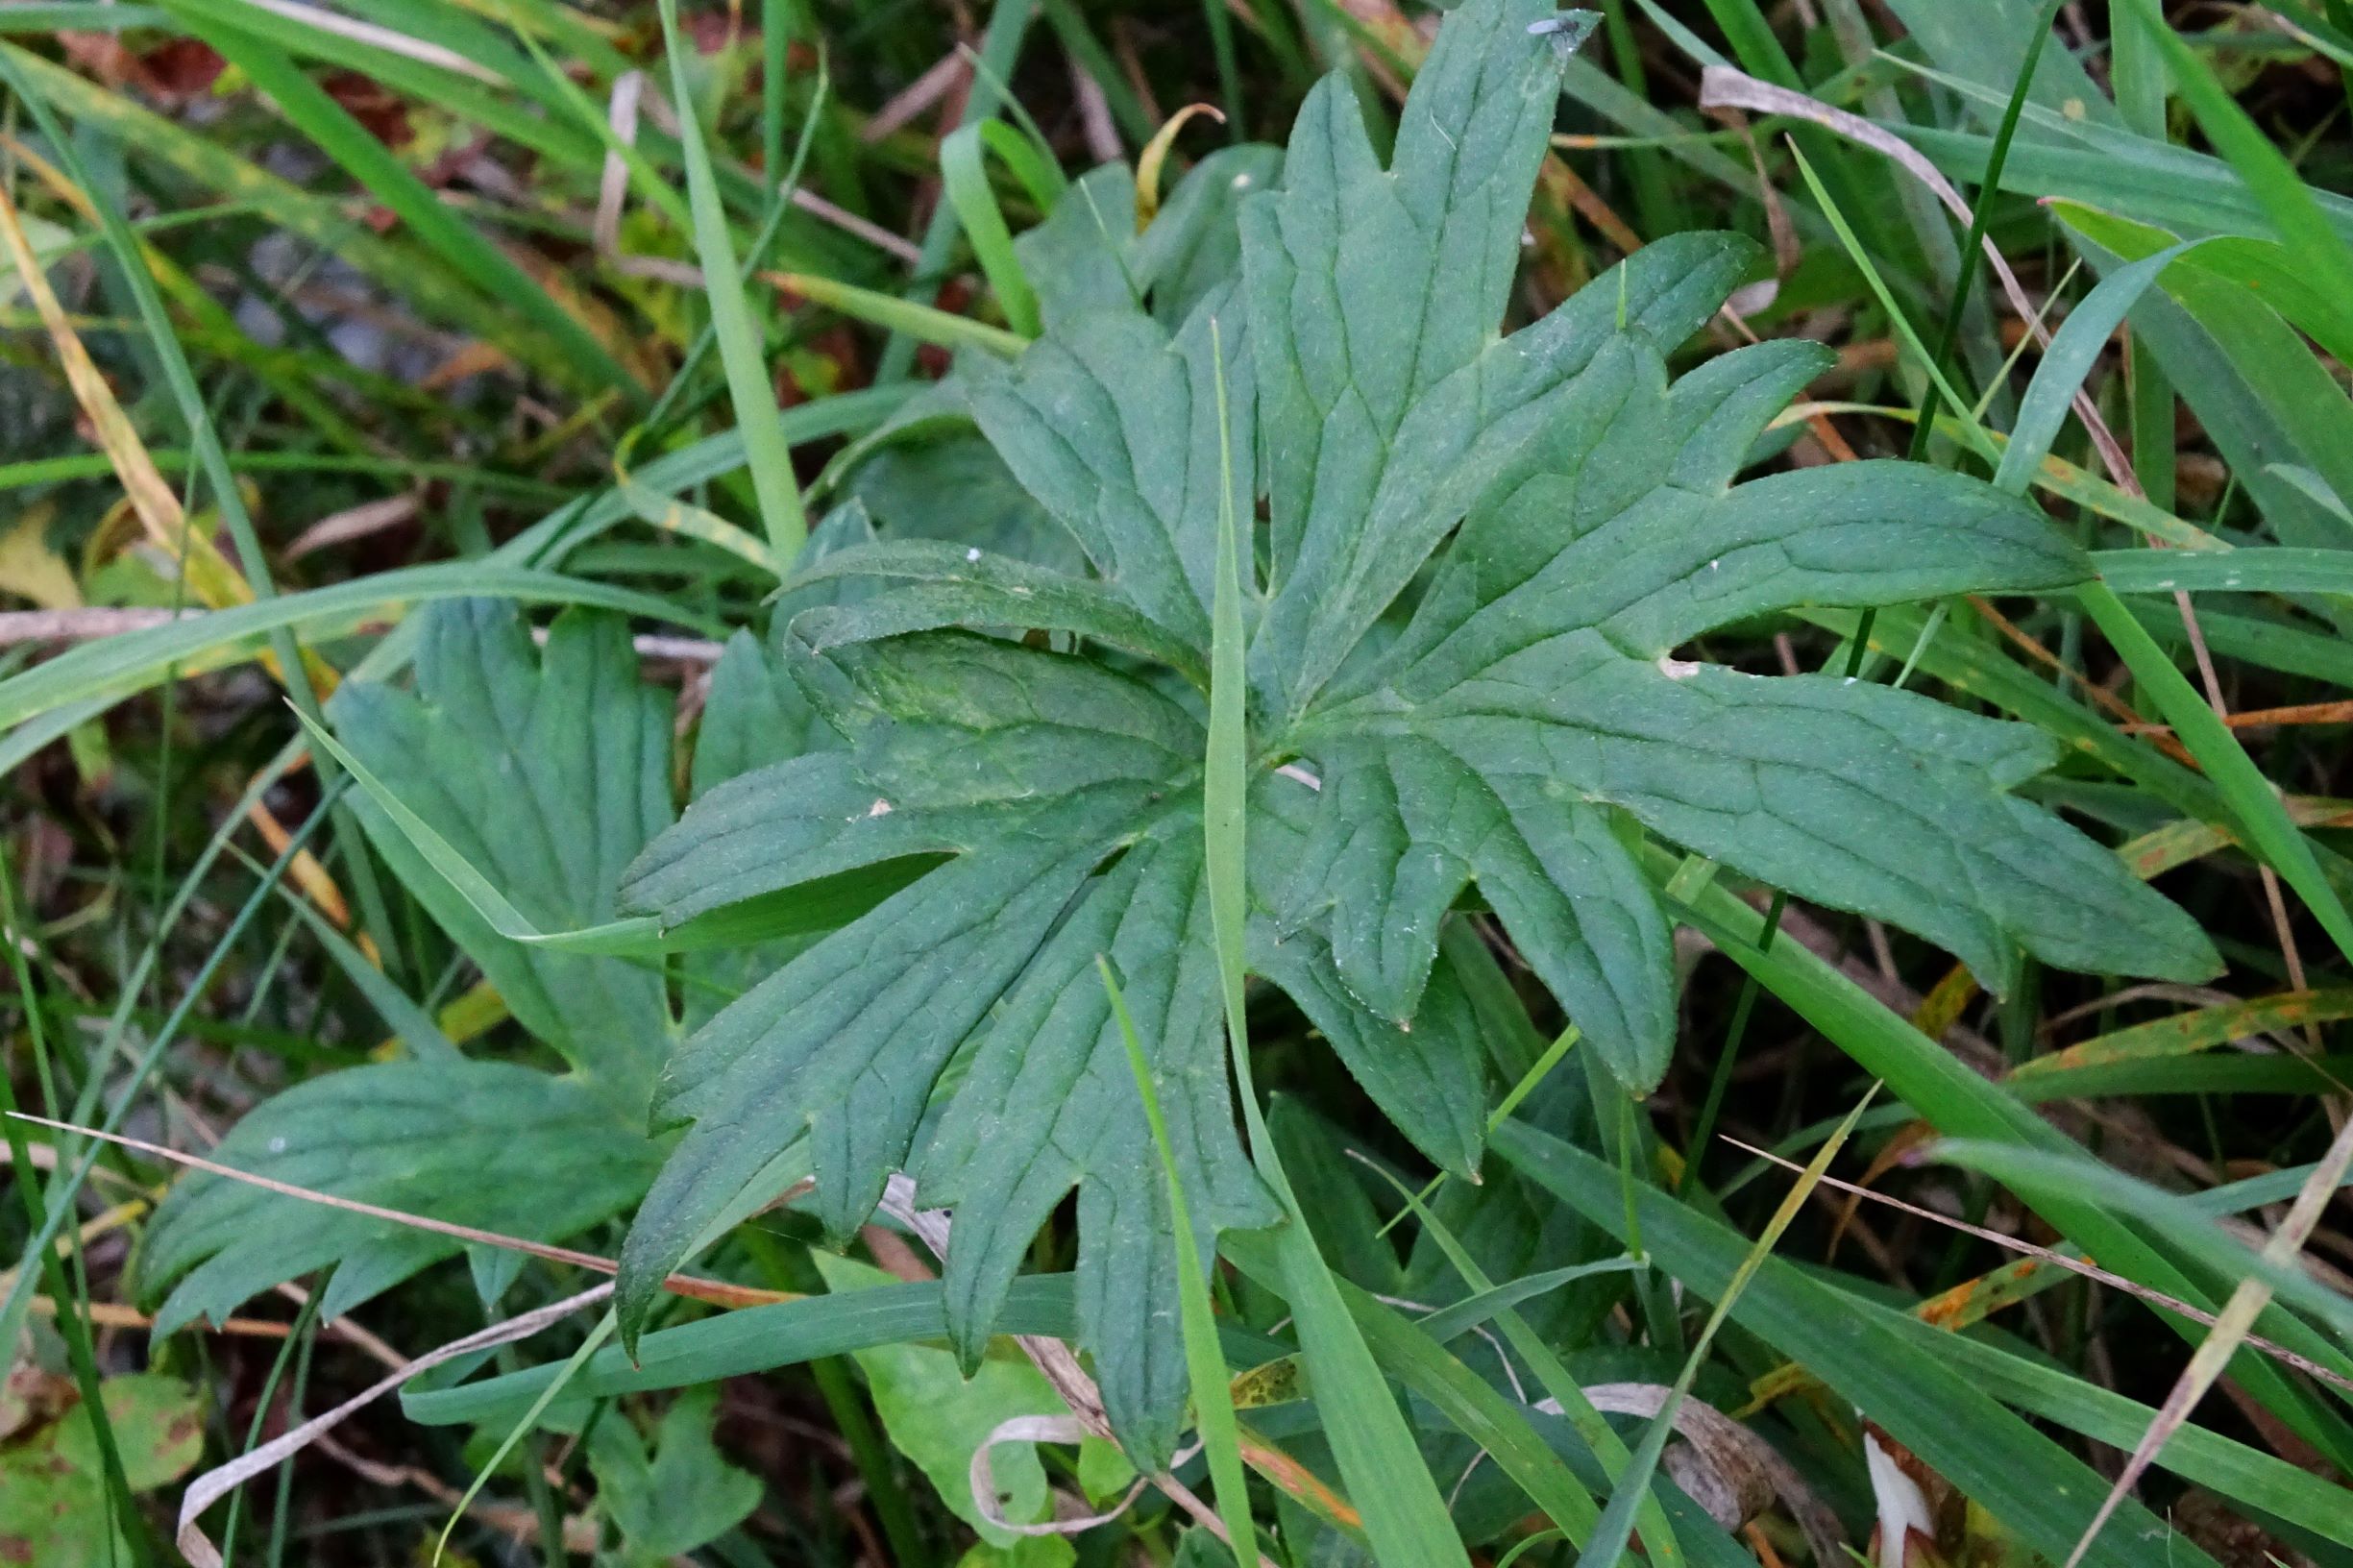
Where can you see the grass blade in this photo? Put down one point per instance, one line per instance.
(309, 110)
(2320, 251)
(2252, 799)
(741, 353)
(1556, 1381)
(1405, 1517)
(2074, 352)
(966, 181)
(1203, 1362)
(1610, 1537)
(116, 667)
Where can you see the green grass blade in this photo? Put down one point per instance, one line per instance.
(2284, 198)
(2275, 571)
(1959, 1103)
(1890, 1366)
(1611, 1536)
(309, 110)
(59, 1199)
(1971, 254)
(2074, 352)
(2041, 1175)
(742, 351)
(999, 47)
(1405, 1517)
(116, 667)
(915, 323)
(452, 83)
(1407, 1351)
(1895, 315)
(966, 181)
(1556, 1381)
(1205, 1363)
(522, 1428)
(477, 889)
(2252, 799)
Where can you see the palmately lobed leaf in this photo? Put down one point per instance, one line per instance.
(489, 1144)
(548, 771)
(550, 768)
(1489, 563)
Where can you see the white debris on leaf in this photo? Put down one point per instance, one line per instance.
(880, 808)
(972, 554)
(1675, 668)
(1902, 1507)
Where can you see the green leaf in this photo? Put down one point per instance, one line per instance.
(963, 585)
(489, 1144)
(1389, 403)
(1899, 1378)
(754, 1339)
(1139, 488)
(936, 1413)
(684, 1495)
(1484, 556)
(54, 1509)
(548, 771)
(550, 768)
(1428, 1075)
(1050, 1103)
(741, 353)
(1535, 683)
(965, 180)
(753, 716)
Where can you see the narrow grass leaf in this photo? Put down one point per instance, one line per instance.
(2074, 351)
(1405, 1350)
(742, 351)
(2253, 800)
(637, 934)
(522, 1428)
(116, 667)
(2274, 570)
(2238, 1317)
(1897, 319)
(916, 323)
(1556, 1381)
(1405, 1518)
(309, 108)
(1922, 1384)
(1960, 1104)
(2037, 1175)
(1203, 1362)
(2319, 249)
(1609, 1543)
(964, 178)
